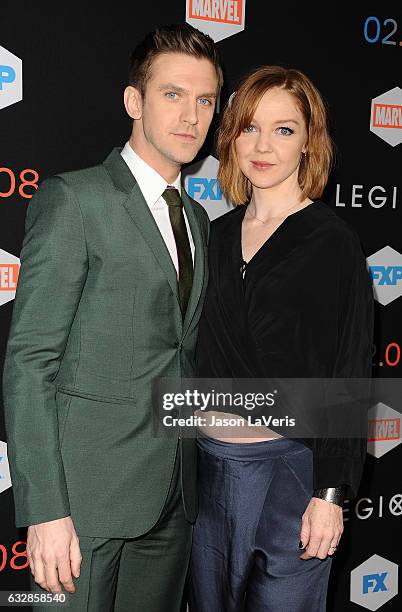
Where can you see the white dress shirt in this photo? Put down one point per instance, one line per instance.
(152, 186)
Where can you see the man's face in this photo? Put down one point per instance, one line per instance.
(173, 118)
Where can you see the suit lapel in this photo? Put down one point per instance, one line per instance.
(141, 216)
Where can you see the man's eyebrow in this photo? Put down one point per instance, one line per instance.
(172, 86)
(179, 89)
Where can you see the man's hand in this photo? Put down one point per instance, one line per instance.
(54, 554)
(322, 528)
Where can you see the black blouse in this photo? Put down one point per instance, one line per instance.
(304, 309)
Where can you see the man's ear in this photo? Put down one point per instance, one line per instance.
(133, 102)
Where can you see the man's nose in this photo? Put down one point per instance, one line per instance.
(190, 113)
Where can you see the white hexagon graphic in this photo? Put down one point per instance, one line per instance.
(386, 116)
(385, 267)
(9, 270)
(202, 185)
(218, 18)
(10, 78)
(384, 429)
(5, 479)
(374, 582)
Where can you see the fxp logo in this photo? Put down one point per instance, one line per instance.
(10, 78)
(203, 186)
(386, 271)
(374, 582)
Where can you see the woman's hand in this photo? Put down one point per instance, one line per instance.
(322, 528)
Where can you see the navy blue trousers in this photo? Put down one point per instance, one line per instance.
(245, 555)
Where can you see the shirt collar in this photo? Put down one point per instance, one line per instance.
(151, 183)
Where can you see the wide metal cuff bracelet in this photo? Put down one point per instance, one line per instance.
(335, 495)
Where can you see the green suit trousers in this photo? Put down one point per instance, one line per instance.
(144, 574)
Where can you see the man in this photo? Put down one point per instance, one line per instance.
(110, 292)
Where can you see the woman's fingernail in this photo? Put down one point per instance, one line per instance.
(301, 544)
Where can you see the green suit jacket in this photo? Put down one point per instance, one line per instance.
(96, 320)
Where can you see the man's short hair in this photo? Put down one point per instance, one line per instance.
(175, 38)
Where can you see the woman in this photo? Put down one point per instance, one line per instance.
(289, 296)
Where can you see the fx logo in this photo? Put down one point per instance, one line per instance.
(386, 275)
(374, 582)
(204, 189)
(10, 78)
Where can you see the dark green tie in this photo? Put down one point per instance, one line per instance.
(185, 281)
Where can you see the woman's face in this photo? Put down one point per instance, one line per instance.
(270, 148)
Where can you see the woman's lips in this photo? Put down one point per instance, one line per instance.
(261, 165)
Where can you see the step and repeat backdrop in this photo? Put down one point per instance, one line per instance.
(63, 68)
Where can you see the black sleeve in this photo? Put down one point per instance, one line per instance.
(340, 460)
